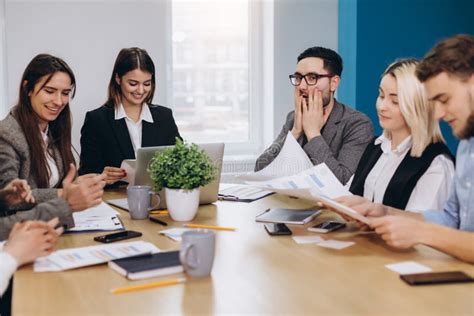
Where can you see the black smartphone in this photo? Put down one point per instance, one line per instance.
(436, 278)
(277, 229)
(326, 227)
(127, 234)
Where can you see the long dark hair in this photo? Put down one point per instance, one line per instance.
(127, 60)
(59, 130)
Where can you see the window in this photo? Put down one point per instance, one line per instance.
(212, 64)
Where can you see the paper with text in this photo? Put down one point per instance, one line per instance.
(72, 258)
(100, 217)
(320, 178)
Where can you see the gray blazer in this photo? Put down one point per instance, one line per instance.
(341, 144)
(43, 211)
(15, 160)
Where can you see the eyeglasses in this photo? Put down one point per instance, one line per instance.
(310, 78)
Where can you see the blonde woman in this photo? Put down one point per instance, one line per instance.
(409, 165)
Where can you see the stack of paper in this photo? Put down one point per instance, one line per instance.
(80, 257)
(99, 218)
(290, 160)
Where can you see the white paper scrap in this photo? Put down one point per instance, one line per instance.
(130, 166)
(408, 267)
(336, 244)
(307, 239)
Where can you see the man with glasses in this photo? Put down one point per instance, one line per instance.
(327, 130)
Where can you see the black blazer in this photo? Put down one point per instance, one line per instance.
(106, 141)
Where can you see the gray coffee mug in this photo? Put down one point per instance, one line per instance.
(139, 200)
(197, 252)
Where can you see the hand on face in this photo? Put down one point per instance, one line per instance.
(398, 231)
(16, 192)
(310, 113)
(113, 174)
(314, 117)
(297, 130)
(32, 239)
(86, 192)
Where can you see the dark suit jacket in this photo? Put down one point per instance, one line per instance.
(106, 141)
(341, 144)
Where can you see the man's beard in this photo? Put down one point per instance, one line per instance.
(468, 130)
(326, 99)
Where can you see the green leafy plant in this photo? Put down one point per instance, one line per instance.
(184, 166)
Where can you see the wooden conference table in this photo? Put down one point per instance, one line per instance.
(253, 273)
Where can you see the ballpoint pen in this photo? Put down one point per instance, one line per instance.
(158, 221)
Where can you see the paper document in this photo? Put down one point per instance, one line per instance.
(241, 192)
(130, 166)
(72, 258)
(290, 160)
(97, 218)
(318, 177)
(408, 267)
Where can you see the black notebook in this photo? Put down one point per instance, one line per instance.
(287, 216)
(148, 266)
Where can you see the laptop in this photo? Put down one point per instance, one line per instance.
(208, 193)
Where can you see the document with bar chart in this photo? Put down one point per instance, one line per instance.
(319, 178)
(72, 258)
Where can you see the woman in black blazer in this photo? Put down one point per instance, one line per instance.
(128, 120)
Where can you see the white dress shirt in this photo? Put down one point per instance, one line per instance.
(8, 266)
(134, 129)
(53, 167)
(430, 192)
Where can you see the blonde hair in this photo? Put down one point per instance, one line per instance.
(414, 106)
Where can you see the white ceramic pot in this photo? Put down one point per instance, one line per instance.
(182, 204)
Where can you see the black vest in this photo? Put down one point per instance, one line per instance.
(404, 179)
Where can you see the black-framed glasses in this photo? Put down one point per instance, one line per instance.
(310, 78)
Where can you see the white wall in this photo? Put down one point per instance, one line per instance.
(92, 32)
(88, 38)
(299, 24)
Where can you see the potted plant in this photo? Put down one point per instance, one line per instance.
(181, 170)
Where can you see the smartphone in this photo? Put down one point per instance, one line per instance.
(277, 229)
(326, 227)
(117, 236)
(436, 278)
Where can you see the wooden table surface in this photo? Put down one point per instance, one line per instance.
(253, 273)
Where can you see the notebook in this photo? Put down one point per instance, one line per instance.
(287, 216)
(148, 266)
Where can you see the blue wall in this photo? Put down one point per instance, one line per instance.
(391, 29)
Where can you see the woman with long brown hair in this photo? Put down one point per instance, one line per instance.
(35, 138)
(128, 120)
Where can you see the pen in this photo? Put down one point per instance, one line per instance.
(134, 288)
(156, 220)
(164, 212)
(209, 227)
